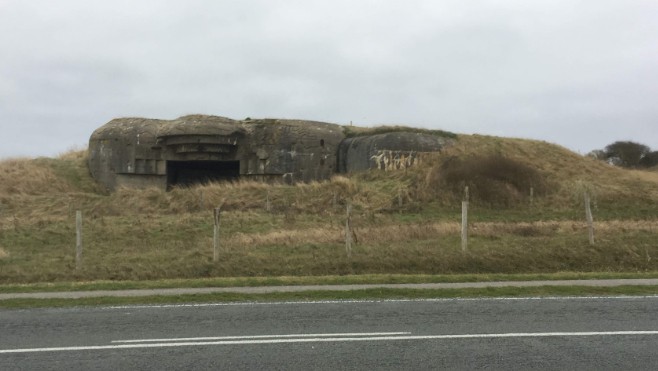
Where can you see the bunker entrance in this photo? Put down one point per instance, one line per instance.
(187, 173)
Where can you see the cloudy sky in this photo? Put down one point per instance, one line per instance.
(579, 73)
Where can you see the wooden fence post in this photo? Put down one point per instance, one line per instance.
(78, 239)
(348, 231)
(465, 220)
(216, 214)
(268, 204)
(590, 219)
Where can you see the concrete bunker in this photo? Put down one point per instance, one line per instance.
(138, 152)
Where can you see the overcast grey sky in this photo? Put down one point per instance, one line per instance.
(581, 74)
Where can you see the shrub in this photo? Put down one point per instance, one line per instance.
(493, 180)
(626, 154)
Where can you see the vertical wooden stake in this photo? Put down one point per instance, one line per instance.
(334, 202)
(465, 220)
(78, 239)
(532, 195)
(464, 225)
(348, 231)
(590, 219)
(216, 214)
(268, 205)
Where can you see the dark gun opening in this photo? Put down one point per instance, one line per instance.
(189, 173)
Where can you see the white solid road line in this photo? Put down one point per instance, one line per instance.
(329, 339)
(263, 337)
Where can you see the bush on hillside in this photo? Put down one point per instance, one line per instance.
(492, 180)
(626, 154)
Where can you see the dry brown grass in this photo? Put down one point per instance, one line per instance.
(567, 172)
(73, 154)
(394, 233)
(552, 159)
(336, 234)
(23, 176)
(646, 176)
(246, 195)
(3, 254)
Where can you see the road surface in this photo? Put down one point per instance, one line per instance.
(494, 333)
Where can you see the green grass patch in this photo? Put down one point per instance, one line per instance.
(368, 294)
(132, 248)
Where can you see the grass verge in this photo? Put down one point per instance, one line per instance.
(368, 294)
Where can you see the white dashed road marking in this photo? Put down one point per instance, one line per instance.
(316, 338)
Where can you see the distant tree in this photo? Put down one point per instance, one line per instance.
(650, 159)
(626, 154)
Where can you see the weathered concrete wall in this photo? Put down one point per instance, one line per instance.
(390, 151)
(298, 150)
(116, 147)
(138, 152)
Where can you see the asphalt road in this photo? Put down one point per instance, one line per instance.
(533, 333)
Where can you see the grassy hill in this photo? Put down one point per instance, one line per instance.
(405, 221)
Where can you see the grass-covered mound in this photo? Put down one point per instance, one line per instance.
(405, 221)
